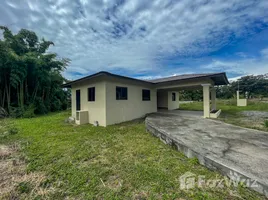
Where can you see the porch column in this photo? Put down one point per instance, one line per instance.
(213, 98)
(206, 100)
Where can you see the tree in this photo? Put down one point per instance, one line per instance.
(225, 92)
(191, 95)
(256, 86)
(30, 77)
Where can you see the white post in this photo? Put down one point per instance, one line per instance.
(213, 98)
(237, 97)
(206, 100)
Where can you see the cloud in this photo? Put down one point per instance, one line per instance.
(264, 53)
(135, 35)
(246, 66)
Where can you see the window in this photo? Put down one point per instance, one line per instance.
(121, 93)
(173, 96)
(91, 94)
(78, 100)
(146, 96)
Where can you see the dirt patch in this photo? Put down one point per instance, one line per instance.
(15, 182)
(114, 183)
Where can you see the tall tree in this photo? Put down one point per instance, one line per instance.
(30, 77)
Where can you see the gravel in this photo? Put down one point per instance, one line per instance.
(255, 114)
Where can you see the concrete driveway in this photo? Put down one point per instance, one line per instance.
(217, 145)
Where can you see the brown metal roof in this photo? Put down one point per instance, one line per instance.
(214, 76)
(218, 78)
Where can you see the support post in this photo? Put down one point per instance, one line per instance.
(206, 100)
(213, 98)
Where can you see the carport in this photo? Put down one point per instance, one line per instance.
(168, 88)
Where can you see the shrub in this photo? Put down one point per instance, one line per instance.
(29, 112)
(40, 107)
(16, 112)
(266, 123)
(64, 105)
(55, 105)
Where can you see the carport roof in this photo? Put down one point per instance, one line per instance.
(218, 78)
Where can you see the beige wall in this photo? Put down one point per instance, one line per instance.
(206, 100)
(164, 100)
(172, 105)
(134, 107)
(96, 109)
(241, 102)
(107, 110)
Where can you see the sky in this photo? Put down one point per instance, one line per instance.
(149, 38)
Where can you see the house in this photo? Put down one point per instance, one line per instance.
(105, 98)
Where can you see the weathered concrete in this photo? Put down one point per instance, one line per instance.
(255, 115)
(217, 145)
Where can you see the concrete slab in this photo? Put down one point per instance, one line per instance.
(219, 146)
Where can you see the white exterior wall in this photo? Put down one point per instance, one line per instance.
(125, 110)
(96, 109)
(107, 110)
(172, 105)
(164, 100)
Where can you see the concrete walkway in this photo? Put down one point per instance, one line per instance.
(217, 145)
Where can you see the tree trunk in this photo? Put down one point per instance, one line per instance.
(8, 97)
(34, 92)
(21, 96)
(3, 99)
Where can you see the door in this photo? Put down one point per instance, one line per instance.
(78, 100)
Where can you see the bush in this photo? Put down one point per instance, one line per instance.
(29, 112)
(64, 105)
(56, 105)
(40, 107)
(266, 123)
(16, 112)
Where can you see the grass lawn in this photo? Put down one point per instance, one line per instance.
(53, 159)
(232, 113)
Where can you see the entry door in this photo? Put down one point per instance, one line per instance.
(78, 100)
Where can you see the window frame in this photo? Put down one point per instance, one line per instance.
(173, 96)
(93, 98)
(120, 96)
(143, 97)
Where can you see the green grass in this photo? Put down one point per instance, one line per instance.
(266, 123)
(118, 162)
(232, 113)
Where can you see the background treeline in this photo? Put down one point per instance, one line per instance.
(30, 76)
(255, 86)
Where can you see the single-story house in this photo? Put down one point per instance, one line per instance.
(105, 98)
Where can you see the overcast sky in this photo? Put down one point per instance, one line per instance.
(149, 38)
